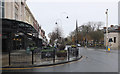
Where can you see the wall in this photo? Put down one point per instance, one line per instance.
(112, 35)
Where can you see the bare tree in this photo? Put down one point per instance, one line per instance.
(56, 34)
(89, 31)
(95, 25)
(99, 24)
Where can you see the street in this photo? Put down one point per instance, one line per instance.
(61, 36)
(94, 60)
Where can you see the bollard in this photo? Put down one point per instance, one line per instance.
(106, 48)
(32, 58)
(68, 54)
(76, 53)
(53, 55)
(9, 59)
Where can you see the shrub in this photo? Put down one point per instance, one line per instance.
(46, 50)
(73, 46)
(61, 47)
(62, 53)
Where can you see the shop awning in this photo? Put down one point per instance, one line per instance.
(9, 25)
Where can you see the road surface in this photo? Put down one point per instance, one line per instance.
(94, 60)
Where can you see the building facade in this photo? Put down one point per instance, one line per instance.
(113, 37)
(17, 11)
(29, 18)
(119, 21)
(14, 10)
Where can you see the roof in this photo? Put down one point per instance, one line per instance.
(115, 28)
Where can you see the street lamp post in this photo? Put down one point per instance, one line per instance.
(106, 29)
(57, 23)
(57, 34)
(76, 33)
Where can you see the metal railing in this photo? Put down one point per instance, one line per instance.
(20, 58)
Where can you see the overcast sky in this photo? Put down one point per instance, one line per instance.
(47, 12)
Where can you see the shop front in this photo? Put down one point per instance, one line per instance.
(17, 35)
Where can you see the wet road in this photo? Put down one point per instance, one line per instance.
(94, 60)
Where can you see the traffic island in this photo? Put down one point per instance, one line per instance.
(46, 57)
(44, 65)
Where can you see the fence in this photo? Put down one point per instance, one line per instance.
(20, 58)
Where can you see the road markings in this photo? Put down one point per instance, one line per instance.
(41, 67)
(13, 68)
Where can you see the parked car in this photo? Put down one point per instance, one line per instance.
(78, 45)
(67, 46)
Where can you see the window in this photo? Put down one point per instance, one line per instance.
(110, 40)
(2, 8)
(2, 2)
(22, 11)
(22, 3)
(16, 13)
(27, 15)
(114, 39)
(3, 12)
(16, 1)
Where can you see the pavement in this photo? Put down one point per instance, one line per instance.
(5, 58)
(94, 60)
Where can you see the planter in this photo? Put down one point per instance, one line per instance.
(62, 53)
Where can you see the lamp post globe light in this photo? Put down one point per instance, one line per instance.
(57, 23)
(76, 30)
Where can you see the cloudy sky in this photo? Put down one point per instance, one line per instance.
(47, 12)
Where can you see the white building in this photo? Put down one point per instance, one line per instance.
(13, 9)
(114, 35)
(17, 10)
